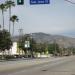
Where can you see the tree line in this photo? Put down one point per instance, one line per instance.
(5, 35)
(12, 18)
(34, 47)
(43, 48)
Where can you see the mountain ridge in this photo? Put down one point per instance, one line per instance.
(64, 41)
(40, 37)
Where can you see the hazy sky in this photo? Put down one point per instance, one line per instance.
(58, 17)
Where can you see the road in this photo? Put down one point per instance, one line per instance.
(65, 66)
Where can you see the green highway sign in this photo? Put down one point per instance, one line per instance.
(20, 2)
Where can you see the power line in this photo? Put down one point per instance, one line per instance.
(70, 1)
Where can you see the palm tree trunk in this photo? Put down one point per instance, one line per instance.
(13, 30)
(9, 18)
(9, 24)
(3, 18)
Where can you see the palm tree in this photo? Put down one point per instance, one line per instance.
(0, 27)
(9, 4)
(2, 8)
(13, 19)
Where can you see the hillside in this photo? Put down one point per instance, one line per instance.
(63, 41)
(47, 38)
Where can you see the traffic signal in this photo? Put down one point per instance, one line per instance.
(20, 2)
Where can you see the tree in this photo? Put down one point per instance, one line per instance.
(13, 19)
(9, 4)
(5, 40)
(32, 44)
(2, 8)
(53, 49)
(73, 51)
(41, 48)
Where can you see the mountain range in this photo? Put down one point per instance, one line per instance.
(63, 41)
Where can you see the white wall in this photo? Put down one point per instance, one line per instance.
(13, 50)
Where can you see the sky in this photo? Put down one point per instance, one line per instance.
(58, 17)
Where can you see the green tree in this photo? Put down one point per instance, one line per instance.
(53, 49)
(73, 51)
(13, 19)
(9, 4)
(41, 48)
(32, 44)
(5, 40)
(2, 8)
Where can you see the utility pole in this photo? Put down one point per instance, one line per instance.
(20, 32)
(20, 37)
(55, 47)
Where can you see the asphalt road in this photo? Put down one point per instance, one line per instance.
(65, 66)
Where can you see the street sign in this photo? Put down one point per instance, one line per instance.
(27, 44)
(20, 2)
(39, 2)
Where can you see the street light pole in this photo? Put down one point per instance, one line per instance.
(20, 37)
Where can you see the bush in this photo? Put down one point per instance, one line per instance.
(7, 57)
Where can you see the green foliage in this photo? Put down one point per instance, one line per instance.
(73, 51)
(53, 48)
(21, 43)
(14, 18)
(32, 44)
(2, 7)
(9, 4)
(38, 47)
(41, 48)
(9, 57)
(5, 40)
